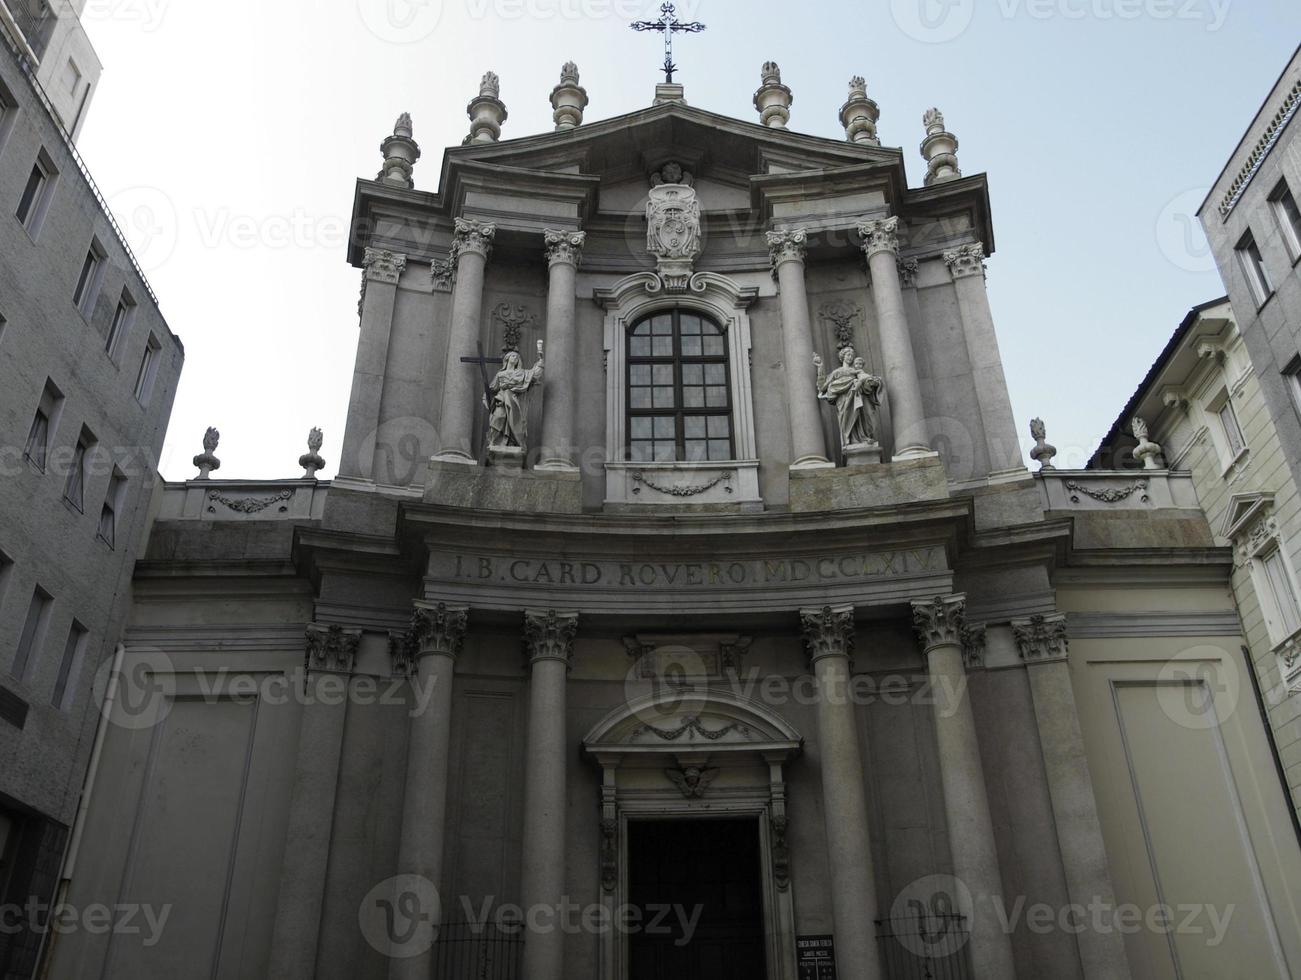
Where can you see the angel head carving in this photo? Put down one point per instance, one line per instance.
(692, 780)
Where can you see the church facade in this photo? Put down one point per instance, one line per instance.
(683, 607)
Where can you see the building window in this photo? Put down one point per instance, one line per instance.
(33, 634)
(1232, 430)
(1253, 267)
(4, 324)
(44, 423)
(1292, 378)
(148, 371)
(679, 392)
(6, 570)
(122, 317)
(113, 501)
(35, 198)
(74, 491)
(8, 113)
(72, 77)
(74, 652)
(1281, 594)
(1289, 218)
(92, 272)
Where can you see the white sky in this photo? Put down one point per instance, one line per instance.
(228, 137)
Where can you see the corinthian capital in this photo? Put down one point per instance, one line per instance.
(939, 621)
(788, 245)
(564, 246)
(828, 632)
(332, 647)
(473, 236)
(550, 635)
(1041, 639)
(438, 629)
(881, 235)
(381, 265)
(969, 260)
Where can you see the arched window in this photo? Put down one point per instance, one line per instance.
(679, 392)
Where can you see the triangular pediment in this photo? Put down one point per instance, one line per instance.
(1244, 510)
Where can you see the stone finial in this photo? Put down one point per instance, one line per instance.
(207, 461)
(312, 462)
(486, 111)
(1146, 452)
(773, 100)
(939, 149)
(1042, 453)
(859, 114)
(400, 154)
(568, 99)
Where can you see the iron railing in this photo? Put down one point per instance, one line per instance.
(925, 946)
(477, 951)
(28, 70)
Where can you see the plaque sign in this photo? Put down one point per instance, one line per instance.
(815, 957)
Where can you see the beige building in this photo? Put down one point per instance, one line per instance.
(683, 607)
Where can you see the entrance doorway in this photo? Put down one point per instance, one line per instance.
(698, 883)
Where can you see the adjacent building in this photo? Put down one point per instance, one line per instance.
(88, 371)
(52, 42)
(683, 559)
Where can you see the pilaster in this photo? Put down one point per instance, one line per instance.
(381, 270)
(564, 252)
(788, 248)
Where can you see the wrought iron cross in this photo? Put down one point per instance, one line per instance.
(668, 25)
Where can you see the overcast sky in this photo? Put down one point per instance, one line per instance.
(228, 138)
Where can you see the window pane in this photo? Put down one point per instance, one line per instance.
(642, 329)
(691, 347)
(664, 398)
(30, 194)
(693, 397)
(640, 374)
(641, 427)
(665, 452)
(719, 449)
(640, 398)
(697, 450)
(695, 426)
(76, 478)
(1284, 597)
(71, 655)
(714, 347)
(38, 439)
(1289, 218)
(662, 325)
(690, 324)
(715, 374)
(716, 398)
(693, 374)
(640, 347)
(664, 374)
(1232, 432)
(720, 427)
(662, 347)
(664, 427)
(83, 280)
(642, 452)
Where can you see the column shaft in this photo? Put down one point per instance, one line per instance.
(808, 443)
(997, 420)
(829, 635)
(439, 632)
(542, 879)
(462, 383)
(903, 389)
(561, 351)
(1042, 643)
(966, 802)
(382, 271)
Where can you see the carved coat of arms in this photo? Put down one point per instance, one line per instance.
(673, 228)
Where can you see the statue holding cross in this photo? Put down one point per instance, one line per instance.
(507, 413)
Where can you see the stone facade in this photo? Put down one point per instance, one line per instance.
(450, 683)
(50, 36)
(77, 492)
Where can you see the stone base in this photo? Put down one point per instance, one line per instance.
(503, 488)
(869, 485)
(507, 457)
(863, 454)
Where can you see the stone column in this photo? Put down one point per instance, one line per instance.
(1042, 643)
(461, 382)
(967, 264)
(808, 446)
(437, 632)
(939, 624)
(564, 252)
(549, 639)
(381, 271)
(331, 653)
(829, 636)
(881, 245)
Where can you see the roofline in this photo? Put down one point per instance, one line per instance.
(1159, 365)
(1264, 105)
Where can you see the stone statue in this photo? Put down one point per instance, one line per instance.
(856, 394)
(1043, 452)
(207, 461)
(508, 419)
(311, 462)
(1147, 452)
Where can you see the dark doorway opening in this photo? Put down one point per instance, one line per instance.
(697, 884)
